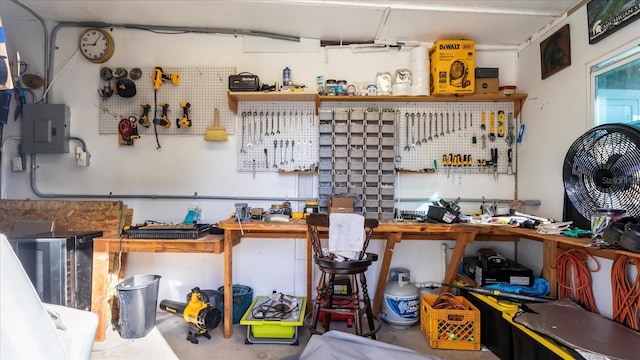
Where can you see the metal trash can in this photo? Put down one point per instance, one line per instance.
(138, 297)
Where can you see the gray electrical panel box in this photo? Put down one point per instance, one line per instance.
(45, 128)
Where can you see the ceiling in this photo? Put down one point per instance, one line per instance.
(488, 22)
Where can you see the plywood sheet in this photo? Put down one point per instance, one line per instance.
(106, 216)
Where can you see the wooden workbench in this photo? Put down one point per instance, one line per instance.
(104, 247)
(391, 231)
(394, 232)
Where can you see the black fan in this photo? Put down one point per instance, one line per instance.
(602, 170)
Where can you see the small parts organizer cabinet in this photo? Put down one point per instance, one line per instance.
(267, 324)
(356, 155)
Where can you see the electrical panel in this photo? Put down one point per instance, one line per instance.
(45, 129)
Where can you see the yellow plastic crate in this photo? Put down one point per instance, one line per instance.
(275, 329)
(448, 328)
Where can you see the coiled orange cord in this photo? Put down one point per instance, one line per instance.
(625, 295)
(574, 277)
(447, 300)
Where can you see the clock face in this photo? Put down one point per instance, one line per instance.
(96, 45)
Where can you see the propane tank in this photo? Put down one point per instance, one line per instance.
(401, 305)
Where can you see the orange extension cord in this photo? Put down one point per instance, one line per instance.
(574, 277)
(626, 295)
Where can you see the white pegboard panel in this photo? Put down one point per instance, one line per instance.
(457, 140)
(286, 138)
(204, 88)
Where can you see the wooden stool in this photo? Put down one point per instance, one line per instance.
(355, 305)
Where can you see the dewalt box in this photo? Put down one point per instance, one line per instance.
(452, 67)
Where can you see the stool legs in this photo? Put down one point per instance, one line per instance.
(359, 295)
(367, 304)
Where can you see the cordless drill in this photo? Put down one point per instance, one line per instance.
(185, 121)
(144, 118)
(164, 120)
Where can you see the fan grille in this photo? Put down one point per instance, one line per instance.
(602, 170)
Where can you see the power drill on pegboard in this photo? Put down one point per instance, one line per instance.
(159, 76)
(164, 120)
(184, 121)
(144, 118)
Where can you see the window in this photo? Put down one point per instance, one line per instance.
(616, 84)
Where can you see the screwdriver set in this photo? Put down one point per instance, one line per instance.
(456, 137)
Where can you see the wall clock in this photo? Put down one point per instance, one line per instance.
(96, 45)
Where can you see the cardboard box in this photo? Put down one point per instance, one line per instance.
(452, 67)
(340, 205)
(487, 86)
(484, 72)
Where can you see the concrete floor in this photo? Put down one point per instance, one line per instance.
(174, 330)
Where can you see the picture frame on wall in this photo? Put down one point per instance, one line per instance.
(555, 52)
(604, 17)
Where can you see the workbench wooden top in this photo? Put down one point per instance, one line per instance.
(212, 243)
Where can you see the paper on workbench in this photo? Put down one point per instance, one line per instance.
(346, 234)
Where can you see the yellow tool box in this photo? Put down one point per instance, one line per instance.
(509, 340)
(452, 67)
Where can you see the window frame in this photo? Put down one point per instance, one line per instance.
(610, 61)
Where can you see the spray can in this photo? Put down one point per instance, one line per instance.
(286, 76)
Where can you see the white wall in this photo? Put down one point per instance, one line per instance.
(209, 168)
(556, 113)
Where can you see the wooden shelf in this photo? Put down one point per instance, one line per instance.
(517, 99)
(235, 97)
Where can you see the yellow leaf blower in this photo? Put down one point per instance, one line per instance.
(197, 312)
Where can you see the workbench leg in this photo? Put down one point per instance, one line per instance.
(550, 252)
(456, 258)
(99, 286)
(229, 237)
(392, 239)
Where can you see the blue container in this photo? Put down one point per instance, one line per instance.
(242, 298)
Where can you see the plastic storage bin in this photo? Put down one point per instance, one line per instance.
(138, 297)
(509, 340)
(242, 297)
(448, 328)
(278, 330)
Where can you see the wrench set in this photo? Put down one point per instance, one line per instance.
(456, 137)
(280, 137)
